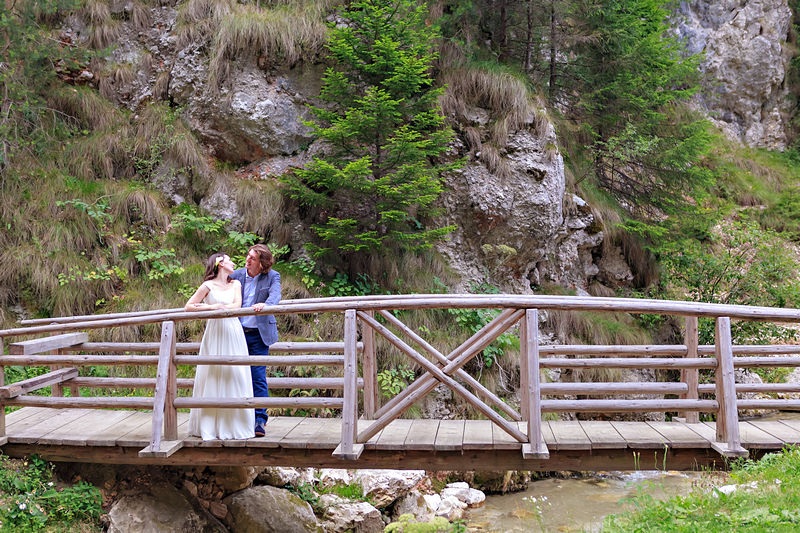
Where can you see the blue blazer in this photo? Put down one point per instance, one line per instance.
(268, 291)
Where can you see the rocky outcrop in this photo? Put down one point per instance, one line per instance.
(515, 229)
(342, 515)
(512, 229)
(158, 508)
(236, 499)
(744, 65)
(270, 509)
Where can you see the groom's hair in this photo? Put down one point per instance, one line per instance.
(264, 256)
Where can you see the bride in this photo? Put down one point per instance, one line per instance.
(223, 337)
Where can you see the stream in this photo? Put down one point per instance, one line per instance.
(574, 504)
(581, 504)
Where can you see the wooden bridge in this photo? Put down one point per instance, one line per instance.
(66, 414)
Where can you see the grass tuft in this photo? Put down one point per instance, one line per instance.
(102, 155)
(503, 93)
(135, 205)
(140, 16)
(86, 107)
(117, 75)
(262, 207)
(765, 496)
(273, 36)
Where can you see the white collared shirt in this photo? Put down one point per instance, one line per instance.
(248, 299)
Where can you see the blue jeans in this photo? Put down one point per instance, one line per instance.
(256, 346)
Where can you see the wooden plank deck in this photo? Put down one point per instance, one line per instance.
(117, 436)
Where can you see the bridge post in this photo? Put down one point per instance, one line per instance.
(728, 440)
(3, 438)
(369, 365)
(56, 390)
(348, 449)
(690, 375)
(531, 407)
(164, 411)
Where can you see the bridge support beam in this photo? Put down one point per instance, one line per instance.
(348, 449)
(728, 441)
(3, 438)
(165, 414)
(690, 376)
(531, 406)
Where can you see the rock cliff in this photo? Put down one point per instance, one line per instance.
(516, 229)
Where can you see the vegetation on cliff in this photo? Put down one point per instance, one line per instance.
(375, 188)
(616, 80)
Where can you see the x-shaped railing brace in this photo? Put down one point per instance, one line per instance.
(436, 374)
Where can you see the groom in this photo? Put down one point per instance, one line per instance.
(261, 286)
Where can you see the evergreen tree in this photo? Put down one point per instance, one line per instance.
(629, 80)
(378, 179)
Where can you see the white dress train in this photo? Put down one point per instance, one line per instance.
(223, 336)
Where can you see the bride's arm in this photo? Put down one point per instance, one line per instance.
(195, 303)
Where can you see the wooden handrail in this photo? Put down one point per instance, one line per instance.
(375, 316)
(193, 347)
(188, 383)
(431, 301)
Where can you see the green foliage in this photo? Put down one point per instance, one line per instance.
(159, 263)
(773, 375)
(406, 523)
(629, 77)
(741, 264)
(784, 214)
(208, 235)
(393, 380)
(339, 285)
(350, 491)
(310, 493)
(730, 262)
(98, 211)
(191, 222)
(306, 492)
(32, 56)
(304, 269)
(146, 250)
(31, 501)
(472, 320)
(384, 127)
(767, 498)
(20, 373)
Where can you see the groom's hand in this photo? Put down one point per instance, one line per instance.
(258, 307)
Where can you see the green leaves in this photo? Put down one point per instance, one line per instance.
(31, 59)
(33, 502)
(375, 186)
(632, 80)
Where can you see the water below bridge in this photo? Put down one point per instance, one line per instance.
(580, 504)
(574, 504)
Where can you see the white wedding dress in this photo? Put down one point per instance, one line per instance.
(223, 336)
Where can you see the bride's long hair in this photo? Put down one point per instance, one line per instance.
(212, 266)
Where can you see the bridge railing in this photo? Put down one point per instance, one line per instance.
(375, 320)
(65, 354)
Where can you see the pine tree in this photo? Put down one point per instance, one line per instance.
(630, 79)
(383, 130)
